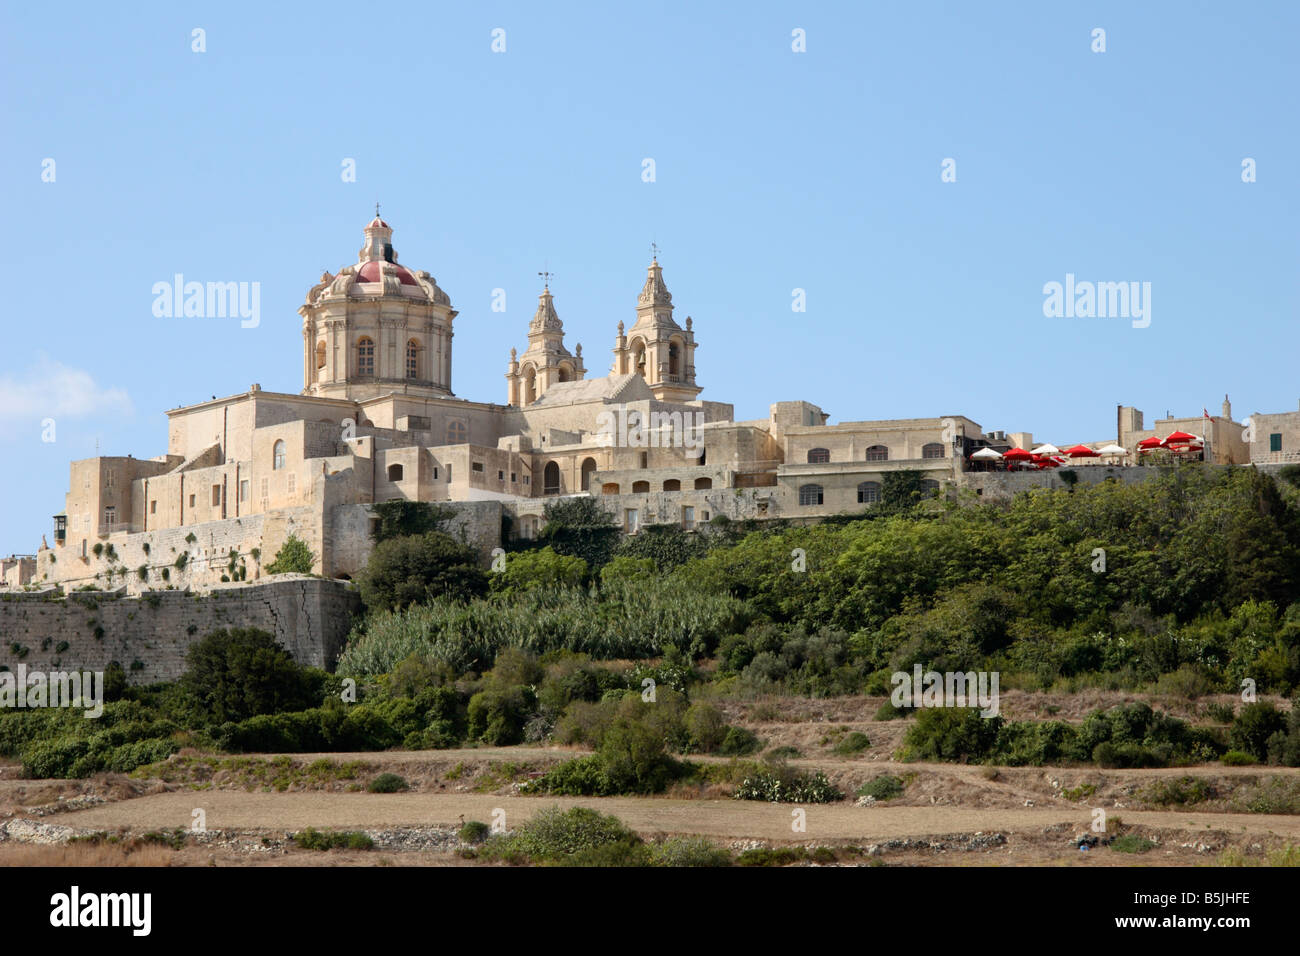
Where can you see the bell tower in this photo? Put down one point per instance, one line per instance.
(546, 361)
(656, 347)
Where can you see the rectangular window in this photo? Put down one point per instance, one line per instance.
(265, 487)
(528, 479)
(478, 466)
(630, 521)
(216, 495)
(688, 518)
(513, 479)
(293, 483)
(501, 475)
(191, 501)
(108, 478)
(435, 472)
(110, 516)
(1275, 441)
(243, 490)
(645, 459)
(153, 507)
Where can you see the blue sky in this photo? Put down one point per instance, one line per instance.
(775, 170)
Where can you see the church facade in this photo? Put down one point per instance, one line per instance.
(377, 419)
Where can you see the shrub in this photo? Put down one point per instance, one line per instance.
(388, 783)
(706, 727)
(884, 787)
(1131, 843)
(313, 839)
(739, 742)
(1181, 792)
(951, 734)
(241, 672)
(1254, 726)
(527, 570)
(783, 785)
(418, 569)
(293, 557)
(474, 832)
(853, 743)
(497, 715)
(569, 836)
(1237, 758)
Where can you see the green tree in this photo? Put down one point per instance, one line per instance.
(526, 570)
(238, 673)
(293, 557)
(418, 569)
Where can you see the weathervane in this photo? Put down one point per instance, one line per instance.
(547, 275)
(654, 250)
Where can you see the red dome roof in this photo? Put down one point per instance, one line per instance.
(373, 272)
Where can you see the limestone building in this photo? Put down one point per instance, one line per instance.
(377, 419)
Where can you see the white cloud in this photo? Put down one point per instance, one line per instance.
(50, 389)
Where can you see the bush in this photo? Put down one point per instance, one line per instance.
(569, 836)
(313, 839)
(238, 673)
(884, 787)
(418, 569)
(706, 727)
(951, 734)
(1236, 758)
(1180, 793)
(497, 715)
(474, 832)
(853, 743)
(783, 785)
(1131, 843)
(544, 568)
(1254, 726)
(388, 783)
(293, 557)
(739, 742)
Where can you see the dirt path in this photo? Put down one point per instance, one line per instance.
(729, 819)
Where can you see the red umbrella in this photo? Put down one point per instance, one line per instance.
(1017, 454)
(1049, 463)
(1080, 451)
(1179, 437)
(1147, 444)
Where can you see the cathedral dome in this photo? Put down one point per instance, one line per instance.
(373, 271)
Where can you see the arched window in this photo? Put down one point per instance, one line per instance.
(868, 492)
(877, 453)
(703, 484)
(640, 487)
(932, 450)
(818, 456)
(566, 373)
(672, 484)
(530, 385)
(674, 359)
(929, 487)
(277, 456)
(638, 358)
(810, 494)
(457, 434)
(551, 479)
(588, 466)
(365, 356)
(412, 359)
(320, 354)
(394, 472)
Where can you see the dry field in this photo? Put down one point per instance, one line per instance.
(947, 815)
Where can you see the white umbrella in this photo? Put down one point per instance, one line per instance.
(1046, 450)
(988, 454)
(1112, 449)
